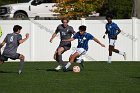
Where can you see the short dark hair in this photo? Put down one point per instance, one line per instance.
(64, 19)
(109, 16)
(82, 28)
(16, 28)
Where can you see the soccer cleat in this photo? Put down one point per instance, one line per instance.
(82, 63)
(64, 69)
(124, 55)
(19, 72)
(58, 67)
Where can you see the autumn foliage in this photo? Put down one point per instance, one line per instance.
(77, 8)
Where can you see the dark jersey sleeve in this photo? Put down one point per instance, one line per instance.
(116, 27)
(19, 37)
(57, 29)
(90, 37)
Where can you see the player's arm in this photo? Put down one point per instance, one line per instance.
(68, 40)
(97, 41)
(105, 34)
(2, 44)
(53, 36)
(23, 40)
(118, 32)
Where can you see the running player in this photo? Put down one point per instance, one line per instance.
(112, 30)
(12, 41)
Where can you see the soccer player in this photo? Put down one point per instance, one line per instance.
(66, 32)
(12, 41)
(83, 39)
(112, 30)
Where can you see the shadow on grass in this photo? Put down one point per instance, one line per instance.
(135, 77)
(7, 72)
(53, 70)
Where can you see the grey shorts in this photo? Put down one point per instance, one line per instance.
(66, 46)
(11, 56)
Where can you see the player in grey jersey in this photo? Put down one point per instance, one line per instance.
(66, 32)
(12, 41)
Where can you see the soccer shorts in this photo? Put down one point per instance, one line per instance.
(65, 45)
(112, 42)
(80, 51)
(11, 56)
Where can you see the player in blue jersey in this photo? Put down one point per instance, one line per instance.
(112, 30)
(83, 39)
(12, 41)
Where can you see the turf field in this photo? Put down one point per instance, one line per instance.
(96, 77)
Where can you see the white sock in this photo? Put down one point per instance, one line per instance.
(109, 58)
(68, 65)
(78, 60)
(121, 53)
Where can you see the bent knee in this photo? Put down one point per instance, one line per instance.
(72, 58)
(22, 57)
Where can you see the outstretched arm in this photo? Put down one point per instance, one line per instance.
(53, 36)
(23, 40)
(97, 41)
(68, 40)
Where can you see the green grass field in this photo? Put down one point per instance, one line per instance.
(97, 77)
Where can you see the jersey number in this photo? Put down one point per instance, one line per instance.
(11, 38)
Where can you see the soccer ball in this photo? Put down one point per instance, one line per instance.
(76, 69)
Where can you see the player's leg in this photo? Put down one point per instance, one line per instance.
(60, 50)
(119, 52)
(111, 47)
(21, 64)
(58, 57)
(71, 60)
(79, 52)
(54, 56)
(1, 62)
(80, 60)
(3, 58)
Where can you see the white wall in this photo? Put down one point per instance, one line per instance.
(38, 47)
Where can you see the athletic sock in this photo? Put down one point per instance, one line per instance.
(79, 59)
(68, 65)
(60, 60)
(21, 64)
(109, 59)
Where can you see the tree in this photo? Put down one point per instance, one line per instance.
(77, 8)
(121, 9)
(4, 2)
